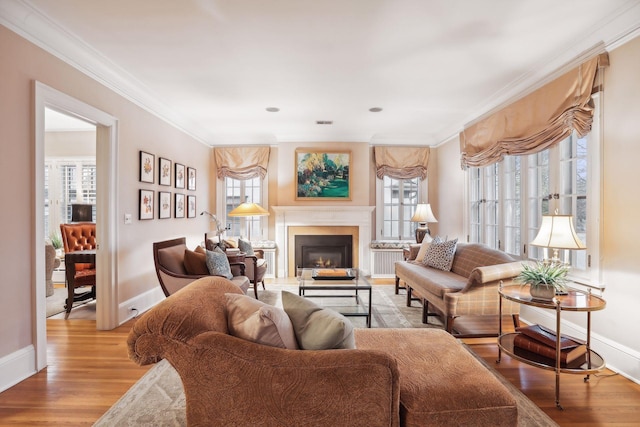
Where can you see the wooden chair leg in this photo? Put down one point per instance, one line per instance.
(408, 295)
(516, 320)
(425, 311)
(255, 289)
(397, 285)
(449, 325)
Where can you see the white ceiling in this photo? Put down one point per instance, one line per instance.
(213, 67)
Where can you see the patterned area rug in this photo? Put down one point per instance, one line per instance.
(157, 399)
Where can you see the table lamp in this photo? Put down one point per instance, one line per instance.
(422, 216)
(557, 232)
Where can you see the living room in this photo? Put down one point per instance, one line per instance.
(132, 275)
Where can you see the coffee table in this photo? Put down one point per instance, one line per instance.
(317, 283)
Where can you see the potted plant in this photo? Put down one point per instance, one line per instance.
(56, 241)
(545, 279)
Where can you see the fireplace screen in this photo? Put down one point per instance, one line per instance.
(322, 251)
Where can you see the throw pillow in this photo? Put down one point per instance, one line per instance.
(317, 328)
(423, 248)
(440, 254)
(258, 322)
(195, 262)
(245, 246)
(218, 264)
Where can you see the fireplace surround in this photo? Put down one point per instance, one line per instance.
(335, 220)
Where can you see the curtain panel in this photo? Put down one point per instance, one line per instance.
(241, 162)
(537, 121)
(401, 162)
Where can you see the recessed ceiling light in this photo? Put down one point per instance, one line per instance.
(272, 109)
(375, 109)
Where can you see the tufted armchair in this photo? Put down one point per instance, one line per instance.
(79, 236)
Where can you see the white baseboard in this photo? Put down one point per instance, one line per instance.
(16, 367)
(138, 305)
(619, 358)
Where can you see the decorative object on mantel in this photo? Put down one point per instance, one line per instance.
(557, 232)
(423, 216)
(545, 279)
(323, 174)
(247, 209)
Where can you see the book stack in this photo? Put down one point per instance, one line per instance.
(537, 343)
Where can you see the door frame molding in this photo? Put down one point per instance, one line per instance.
(106, 209)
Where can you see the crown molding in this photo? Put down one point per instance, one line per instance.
(24, 19)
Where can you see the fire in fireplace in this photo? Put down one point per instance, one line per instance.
(323, 251)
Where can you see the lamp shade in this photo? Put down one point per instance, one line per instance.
(423, 214)
(556, 231)
(249, 209)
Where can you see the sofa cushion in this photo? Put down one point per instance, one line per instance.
(426, 242)
(317, 328)
(258, 322)
(195, 263)
(440, 254)
(435, 281)
(471, 255)
(218, 264)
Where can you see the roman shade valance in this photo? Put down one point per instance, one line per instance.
(244, 162)
(401, 162)
(538, 121)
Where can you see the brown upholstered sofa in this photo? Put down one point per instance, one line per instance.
(395, 376)
(470, 288)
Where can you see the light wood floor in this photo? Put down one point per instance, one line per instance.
(89, 370)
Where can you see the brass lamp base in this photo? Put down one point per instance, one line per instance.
(421, 231)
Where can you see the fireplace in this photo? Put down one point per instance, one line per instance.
(323, 251)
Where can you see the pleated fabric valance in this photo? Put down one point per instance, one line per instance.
(401, 162)
(243, 162)
(537, 121)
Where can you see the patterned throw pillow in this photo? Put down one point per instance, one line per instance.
(218, 264)
(440, 254)
(245, 246)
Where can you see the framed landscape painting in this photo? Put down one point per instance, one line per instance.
(323, 175)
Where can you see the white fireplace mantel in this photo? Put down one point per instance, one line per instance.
(294, 216)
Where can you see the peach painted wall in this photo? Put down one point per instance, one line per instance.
(447, 191)
(21, 64)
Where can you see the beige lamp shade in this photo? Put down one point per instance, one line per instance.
(423, 214)
(249, 209)
(557, 232)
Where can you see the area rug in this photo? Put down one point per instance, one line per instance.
(55, 302)
(157, 399)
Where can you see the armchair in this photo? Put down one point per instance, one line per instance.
(169, 260)
(80, 270)
(256, 265)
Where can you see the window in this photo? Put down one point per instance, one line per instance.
(507, 200)
(237, 191)
(67, 181)
(397, 200)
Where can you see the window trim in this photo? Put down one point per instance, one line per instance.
(422, 198)
(220, 212)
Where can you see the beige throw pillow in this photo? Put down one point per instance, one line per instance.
(258, 322)
(317, 328)
(423, 248)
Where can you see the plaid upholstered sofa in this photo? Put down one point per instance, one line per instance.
(470, 288)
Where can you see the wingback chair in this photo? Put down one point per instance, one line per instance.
(173, 275)
(256, 264)
(80, 236)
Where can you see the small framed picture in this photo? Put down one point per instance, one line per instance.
(179, 205)
(191, 206)
(191, 179)
(147, 162)
(146, 204)
(164, 204)
(180, 172)
(164, 171)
